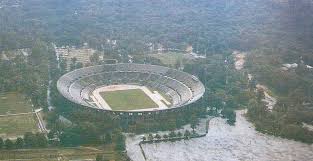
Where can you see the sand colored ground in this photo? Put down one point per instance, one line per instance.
(239, 58)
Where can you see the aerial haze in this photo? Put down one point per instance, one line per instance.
(156, 80)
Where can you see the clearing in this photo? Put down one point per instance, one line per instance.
(169, 58)
(13, 103)
(15, 126)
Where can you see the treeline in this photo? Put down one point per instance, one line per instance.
(167, 120)
(170, 136)
(209, 26)
(30, 140)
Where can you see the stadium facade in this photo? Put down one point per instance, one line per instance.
(78, 85)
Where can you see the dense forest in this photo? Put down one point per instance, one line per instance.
(28, 75)
(209, 26)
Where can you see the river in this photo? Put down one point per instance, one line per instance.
(224, 142)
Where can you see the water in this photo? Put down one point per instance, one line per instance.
(224, 142)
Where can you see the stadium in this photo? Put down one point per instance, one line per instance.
(130, 88)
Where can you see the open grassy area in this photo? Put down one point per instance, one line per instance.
(128, 99)
(63, 154)
(169, 58)
(13, 102)
(13, 126)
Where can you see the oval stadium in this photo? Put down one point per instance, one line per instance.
(130, 88)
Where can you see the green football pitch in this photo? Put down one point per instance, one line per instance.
(131, 99)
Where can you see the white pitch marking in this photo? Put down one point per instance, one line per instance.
(161, 98)
(155, 96)
(99, 100)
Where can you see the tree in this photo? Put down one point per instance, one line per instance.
(108, 138)
(51, 134)
(19, 143)
(8, 144)
(1, 143)
(187, 134)
(179, 134)
(73, 60)
(260, 95)
(30, 140)
(178, 63)
(119, 140)
(68, 138)
(157, 136)
(256, 110)
(172, 134)
(99, 157)
(63, 65)
(230, 115)
(94, 58)
(165, 136)
(150, 137)
(79, 65)
(88, 132)
(144, 138)
(252, 85)
(41, 140)
(194, 122)
(39, 50)
(73, 63)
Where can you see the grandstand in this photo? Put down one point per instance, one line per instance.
(84, 86)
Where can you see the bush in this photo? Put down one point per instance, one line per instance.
(8, 144)
(119, 142)
(179, 134)
(19, 143)
(187, 134)
(157, 136)
(172, 134)
(165, 136)
(1, 143)
(150, 137)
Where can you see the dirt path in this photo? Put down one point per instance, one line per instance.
(307, 126)
(268, 99)
(41, 123)
(239, 58)
(17, 114)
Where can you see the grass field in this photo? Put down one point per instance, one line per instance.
(128, 99)
(13, 102)
(13, 126)
(62, 154)
(169, 58)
